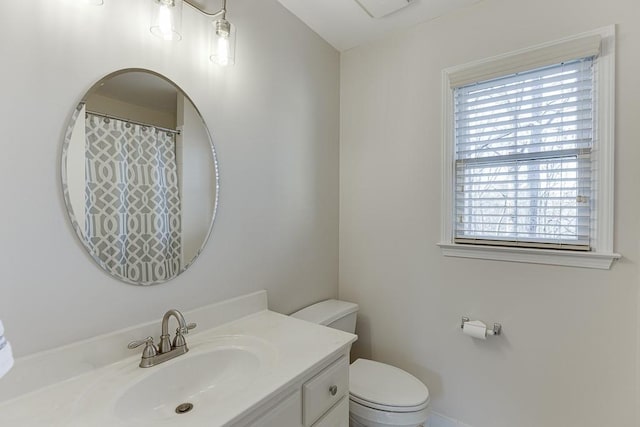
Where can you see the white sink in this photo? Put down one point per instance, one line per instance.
(207, 377)
(211, 372)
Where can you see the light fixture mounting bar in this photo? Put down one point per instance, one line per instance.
(222, 12)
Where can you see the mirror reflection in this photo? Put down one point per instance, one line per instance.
(140, 177)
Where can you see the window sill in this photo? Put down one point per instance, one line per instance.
(597, 260)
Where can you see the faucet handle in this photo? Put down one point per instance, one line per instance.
(186, 329)
(134, 344)
(148, 354)
(150, 349)
(178, 340)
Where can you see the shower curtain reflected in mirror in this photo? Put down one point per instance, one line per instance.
(132, 199)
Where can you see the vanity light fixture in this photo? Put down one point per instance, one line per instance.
(166, 19)
(166, 23)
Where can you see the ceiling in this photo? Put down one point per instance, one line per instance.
(345, 24)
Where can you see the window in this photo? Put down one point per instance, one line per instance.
(522, 151)
(528, 152)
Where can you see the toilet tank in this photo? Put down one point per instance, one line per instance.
(332, 313)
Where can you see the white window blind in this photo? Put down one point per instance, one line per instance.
(523, 158)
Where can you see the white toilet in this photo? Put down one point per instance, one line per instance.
(380, 395)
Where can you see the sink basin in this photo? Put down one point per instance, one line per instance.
(211, 376)
(188, 386)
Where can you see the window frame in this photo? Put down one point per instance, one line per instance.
(601, 255)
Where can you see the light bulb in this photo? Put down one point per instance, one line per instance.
(164, 22)
(223, 43)
(223, 50)
(166, 19)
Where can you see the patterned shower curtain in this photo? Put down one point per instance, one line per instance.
(132, 199)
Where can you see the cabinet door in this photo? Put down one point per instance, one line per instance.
(288, 413)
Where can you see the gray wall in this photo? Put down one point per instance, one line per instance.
(569, 354)
(274, 120)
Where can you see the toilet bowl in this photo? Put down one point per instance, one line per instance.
(380, 395)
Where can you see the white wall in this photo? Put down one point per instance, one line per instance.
(569, 353)
(273, 118)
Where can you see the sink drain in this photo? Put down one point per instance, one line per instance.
(183, 408)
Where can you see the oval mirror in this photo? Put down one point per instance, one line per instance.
(140, 177)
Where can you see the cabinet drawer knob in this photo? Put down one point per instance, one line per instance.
(333, 390)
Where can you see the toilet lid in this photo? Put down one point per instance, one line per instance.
(386, 387)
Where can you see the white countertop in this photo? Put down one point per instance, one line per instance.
(293, 348)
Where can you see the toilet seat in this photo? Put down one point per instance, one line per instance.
(388, 408)
(386, 388)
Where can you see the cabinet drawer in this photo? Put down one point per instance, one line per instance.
(338, 416)
(324, 390)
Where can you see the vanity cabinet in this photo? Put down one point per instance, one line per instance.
(286, 413)
(321, 399)
(338, 416)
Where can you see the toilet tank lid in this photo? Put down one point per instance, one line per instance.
(326, 312)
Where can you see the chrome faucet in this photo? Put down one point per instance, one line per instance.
(152, 355)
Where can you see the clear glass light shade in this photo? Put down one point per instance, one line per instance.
(223, 43)
(166, 19)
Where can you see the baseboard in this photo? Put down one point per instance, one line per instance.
(437, 420)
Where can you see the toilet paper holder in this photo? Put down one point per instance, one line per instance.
(497, 327)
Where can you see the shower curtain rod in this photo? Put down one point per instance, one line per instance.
(106, 116)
